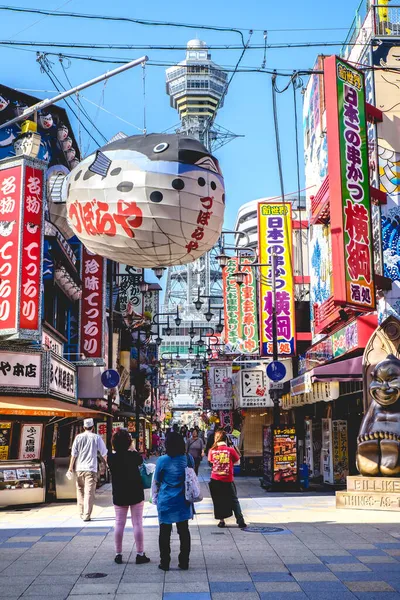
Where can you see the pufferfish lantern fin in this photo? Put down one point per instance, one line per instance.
(101, 164)
(207, 163)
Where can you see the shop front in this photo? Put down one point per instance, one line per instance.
(39, 418)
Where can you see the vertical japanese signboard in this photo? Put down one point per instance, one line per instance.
(350, 204)
(92, 317)
(21, 247)
(31, 441)
(275, 240)
(241, 327)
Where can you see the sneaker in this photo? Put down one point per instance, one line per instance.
(221, 524)
(183, 567)
(242, 525)
(142, 559)
(118, 559)
(163, 567)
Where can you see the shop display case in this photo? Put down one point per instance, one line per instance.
(22, 482)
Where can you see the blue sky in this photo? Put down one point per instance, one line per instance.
(249, 163)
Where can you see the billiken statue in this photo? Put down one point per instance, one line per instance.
(378, 452)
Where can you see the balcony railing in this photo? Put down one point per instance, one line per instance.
(387, 19)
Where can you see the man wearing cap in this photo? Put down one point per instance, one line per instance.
(84, 459)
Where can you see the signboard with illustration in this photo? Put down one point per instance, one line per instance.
(5, 439)
(276, 245)
(340, 452)
(285, 455)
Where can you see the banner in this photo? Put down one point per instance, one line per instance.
(92, 308)
(241, 327)
(275, 240)
(350, 203)
(21, 248)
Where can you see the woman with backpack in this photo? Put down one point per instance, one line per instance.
(222, 487)
(172, 507)
(127, 491)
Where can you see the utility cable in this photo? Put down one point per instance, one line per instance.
(46, 71)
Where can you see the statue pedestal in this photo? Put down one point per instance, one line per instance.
(370, 493)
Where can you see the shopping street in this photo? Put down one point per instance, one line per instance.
(317, 552)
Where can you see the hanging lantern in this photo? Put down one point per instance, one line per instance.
(148, 201)
(4, 102)
(66, 144)
(46, 120)
(62, 133)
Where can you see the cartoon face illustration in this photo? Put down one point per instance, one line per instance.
(3, 103)
(148, 201)
(46, 121)
(385, 384)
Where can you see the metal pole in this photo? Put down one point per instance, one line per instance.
(274, 393)
(110, 265)
(137, 407)
(48, 102)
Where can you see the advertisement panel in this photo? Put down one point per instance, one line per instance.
(32, 245)
(220, 381)
(275, 243)
(340, 452)
(5, 439)
(21, 248)
(285, 455)
(10, 247)
(92, 307)
(241, 327)
(350, 203)
(62, 378)
(31, 441)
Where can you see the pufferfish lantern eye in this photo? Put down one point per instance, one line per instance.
(160, 147)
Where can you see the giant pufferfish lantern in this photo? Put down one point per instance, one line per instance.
(147, 201)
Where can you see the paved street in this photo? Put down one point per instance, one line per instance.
(319, 553)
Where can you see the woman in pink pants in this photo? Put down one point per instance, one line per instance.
(128, 493)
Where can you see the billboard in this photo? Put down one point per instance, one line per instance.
(350, 203)
(92, 308)
(241, 326)
(21, 248)
(275, 240)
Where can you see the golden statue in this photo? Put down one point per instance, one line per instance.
(378, 452)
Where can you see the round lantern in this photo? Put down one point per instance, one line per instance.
(148, 201)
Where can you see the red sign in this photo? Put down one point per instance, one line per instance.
(32, 236)
(92, 330)
(10, 236)
(21, 241)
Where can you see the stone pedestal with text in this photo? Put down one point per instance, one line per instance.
(370, 493)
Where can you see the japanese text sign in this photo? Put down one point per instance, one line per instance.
(21, 248)
(31, 441)
(92, 317)
(240, 307)
(275, 244)
(20, 370)
(62, 378)
(350, 204)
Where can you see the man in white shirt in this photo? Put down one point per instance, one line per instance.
(84, 461)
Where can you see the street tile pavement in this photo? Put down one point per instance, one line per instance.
(315, 552)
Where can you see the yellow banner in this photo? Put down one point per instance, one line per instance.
(275, 240)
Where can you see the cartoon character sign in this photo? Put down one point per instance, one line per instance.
(148, 201)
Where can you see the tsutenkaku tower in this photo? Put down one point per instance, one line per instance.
(197, 88)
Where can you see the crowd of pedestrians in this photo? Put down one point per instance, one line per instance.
(179, 451)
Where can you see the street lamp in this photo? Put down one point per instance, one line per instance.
(168, 329)
(178, 320)
(219, 326)
(239, 276)
(159, 340)
(192, 331)
(208, 315)
(222, 259)
(144, 287)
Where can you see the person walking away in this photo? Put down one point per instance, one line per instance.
(84, 461)
(127, 491)
(172, 507)
(155, 442)
(222, 487)
(195, 447)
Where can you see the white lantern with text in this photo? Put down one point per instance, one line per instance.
(147, 201)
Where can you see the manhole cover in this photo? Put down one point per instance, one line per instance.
(95, 575)
(263, 529)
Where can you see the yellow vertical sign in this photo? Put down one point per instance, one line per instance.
(275, 240)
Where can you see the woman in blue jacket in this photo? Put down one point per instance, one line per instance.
(172, 506)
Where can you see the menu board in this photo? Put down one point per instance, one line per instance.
(267, 455)
(31, 441)
(5, 439)
(340, 452)
(285, 455)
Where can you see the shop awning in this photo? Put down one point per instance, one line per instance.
(345, 370)
(44, 407)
